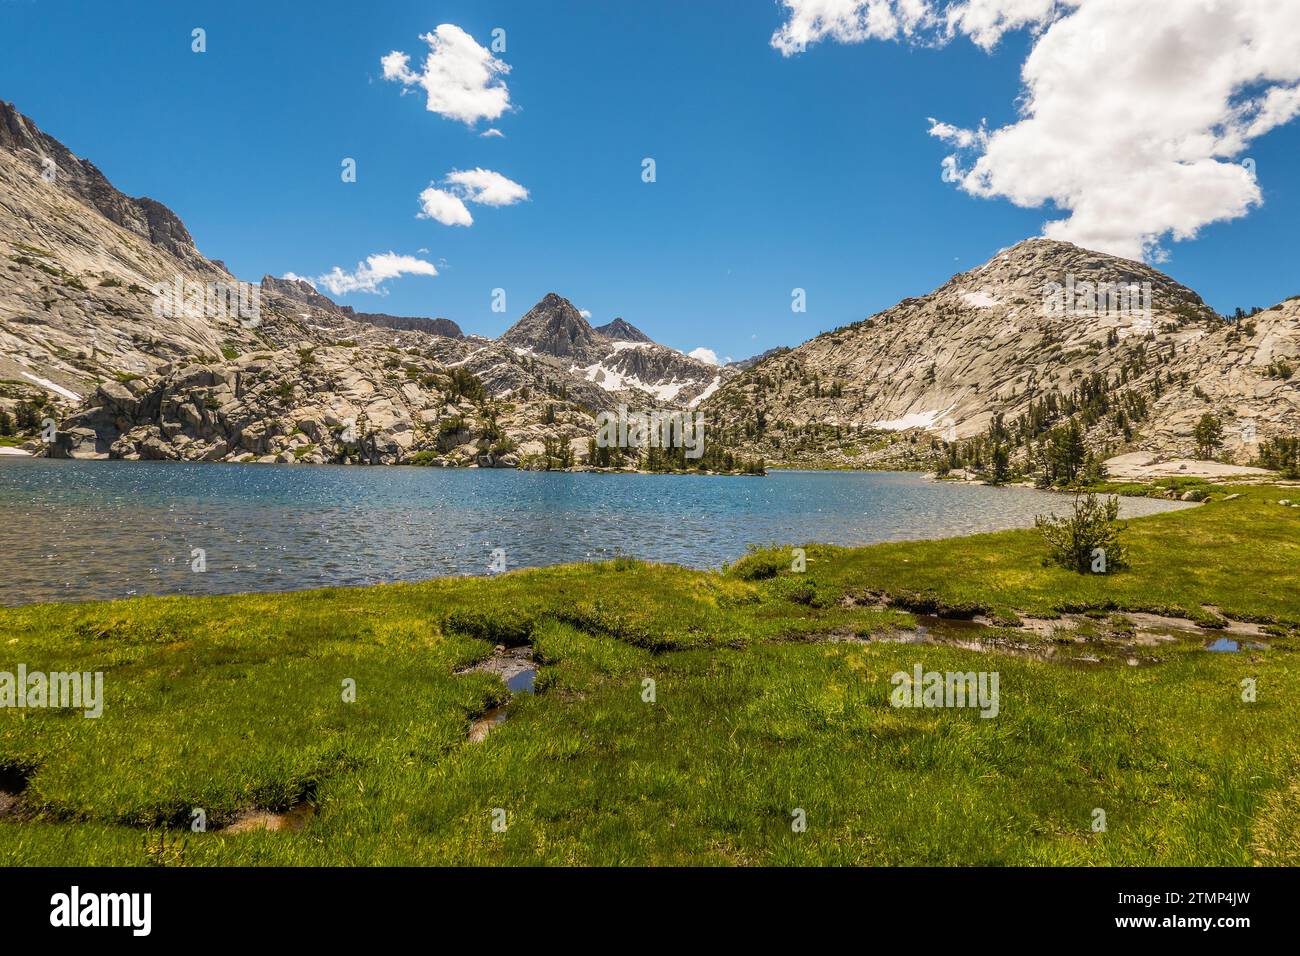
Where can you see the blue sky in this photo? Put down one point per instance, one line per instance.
(815, 171)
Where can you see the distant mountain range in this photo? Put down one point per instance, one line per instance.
(100, 330)
(91, 330)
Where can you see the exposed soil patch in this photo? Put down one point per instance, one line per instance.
(13, 781)
(491, 719)
(293, 819)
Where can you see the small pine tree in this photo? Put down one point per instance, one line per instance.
(1075, 542)
(1209, 435)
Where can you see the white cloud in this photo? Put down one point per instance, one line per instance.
(294, 277)
(482, 186)
(370, 275)
(445, 207)
(1133, 116)
(929, 21)
(962, 138)
(584, 313)
(849, 21)
(707, 356)
(486, 187)
(461, 80)
(487, 133)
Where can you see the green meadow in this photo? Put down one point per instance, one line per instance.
(683, 717)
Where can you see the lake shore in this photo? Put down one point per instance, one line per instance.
(683, 716)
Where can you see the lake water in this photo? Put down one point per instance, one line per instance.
(78, 530)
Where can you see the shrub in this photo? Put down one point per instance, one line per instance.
(762, 563)
(802, 591)
(1093, 526)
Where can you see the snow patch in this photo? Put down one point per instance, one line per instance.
(926, 420)
(46, 383)
(713, 387)
(466, 358)
(612, 380)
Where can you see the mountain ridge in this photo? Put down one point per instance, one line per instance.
(985, 356)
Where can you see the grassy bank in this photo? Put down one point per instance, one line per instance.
(771, 695)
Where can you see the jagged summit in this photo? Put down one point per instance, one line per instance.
(644, 372)
(620, 330)
(554, 326)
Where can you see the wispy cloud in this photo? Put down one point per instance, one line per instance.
(370, 275)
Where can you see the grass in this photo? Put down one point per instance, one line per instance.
(237, 702)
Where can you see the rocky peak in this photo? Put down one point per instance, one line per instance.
(300, 290)
(620, 330)
(553, 326)
(55, 162)
(1026, 269)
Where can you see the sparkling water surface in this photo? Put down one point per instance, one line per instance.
(81, 530)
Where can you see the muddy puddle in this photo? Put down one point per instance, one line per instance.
(1129, 638)
(1226, 645)
(517, 668)
(977, 635)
